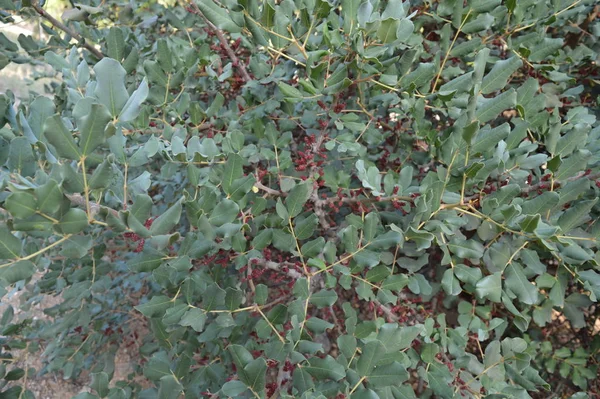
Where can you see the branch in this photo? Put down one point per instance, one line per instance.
(347, 200)
(268, 190)
(44, 14)
(314, 196)
(388, 312)
(278, 267)
(234, 59)
(79, 200)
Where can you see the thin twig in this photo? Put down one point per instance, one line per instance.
(234, 59)
(268, 190)
(44, 14)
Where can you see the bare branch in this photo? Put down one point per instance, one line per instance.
(79, 200)
(234, 59)
(44, 14)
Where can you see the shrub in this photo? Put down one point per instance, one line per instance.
(305, 198)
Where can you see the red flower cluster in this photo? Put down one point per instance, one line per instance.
(136, 238)
(306, 159)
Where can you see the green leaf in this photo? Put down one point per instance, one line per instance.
(488, 109)
(10, 246)
(540, 204)
(469, 275)
(261, 294)
(421, 75)
(297, 198)
(110, 85)
(22, 270)
(241, 356)
(517, 282)
(263, 239)
(76, 247)
(49, 197)
(169, 387)
(543, 50)
(226, 211)
(439, 379)
(217, 15)
(61, 139)
(490, 287)
(387, 240)
(302, 380)
(233, 170)
(165, 222)
(254, 375)
(326, 368)
(573, 164)
(306, 227)
(233, 388)
(423, 239)
(323, 298)
(576, 215)
(74, 221)
(21, 204)
(92, 130)
(194, 318)
(395, 283)
(470, 131)
(115, 42)
(466, 248)
(313, 248)
(450, 283)
(370, 226)
(530, 223)
(155, 307)
(393, 374)
(395, 338)
(289, 91)
(100, 383)
(371, 354)
(496, 79)
(132, 107)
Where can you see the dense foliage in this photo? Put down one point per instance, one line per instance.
(306, 198)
